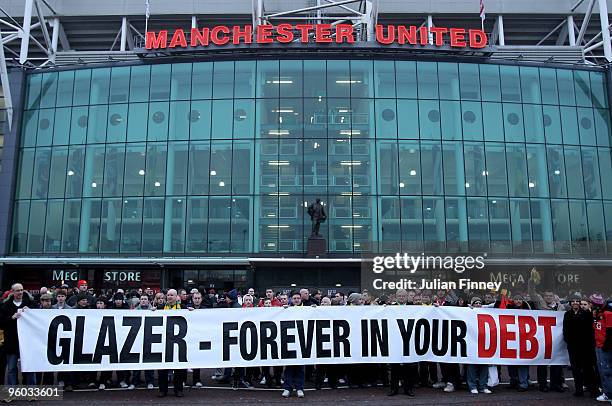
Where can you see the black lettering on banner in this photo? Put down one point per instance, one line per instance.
(80, 357)
(227, 340)
(244, 353)
(406, 332)
(127, 356)
(267, 340)
(64, 343)
(379, 338)
(422, 325)
(107, 329)
(306, 340)
(286, 339)
(342, 330)
(323, 338)
(439, 345)
(364, 338)
(458, 332)
(176, 339)
(149, 339)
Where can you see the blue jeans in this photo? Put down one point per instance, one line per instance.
(604, 365)
(294, 377)
(29, 378)
(519, 375)
(477, 376)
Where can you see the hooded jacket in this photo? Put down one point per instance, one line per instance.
(11, 338)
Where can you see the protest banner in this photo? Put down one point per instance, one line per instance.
(96, 340)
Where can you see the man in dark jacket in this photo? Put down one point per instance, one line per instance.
(17, 302)
(82, 288)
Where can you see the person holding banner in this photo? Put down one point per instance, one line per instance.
(405, 372)
(519, 374)
(477, 374)
(603, 341)
(179, 374)
(294, 374)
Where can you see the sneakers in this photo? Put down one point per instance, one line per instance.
(102, 386)
(150, 386)
(474, 391)
(486, 390)
(286, 393)
(263, 381)
(300, 393)
(91, 385)
(198, 384)
(131, 387)
(438, 385)
(123, 384)
(602, 398)
(449, 388)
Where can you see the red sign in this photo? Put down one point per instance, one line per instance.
(317, 33)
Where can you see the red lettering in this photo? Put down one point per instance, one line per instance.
(155, 42)
(285, 35)
(423, 36)
(407, 35)
(439, 35)
(199, 39)
(344, 33)
(323, 33)
(264, 34)
(548, 323)
(527, 336)
(457, 37)
(486, 322)
(178, 39)
(380, 34)
(478, 39)
(304, 31)
(505, 336)
(245, 34)
(220, 40)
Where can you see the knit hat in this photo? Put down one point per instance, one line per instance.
(354, 297)
(81, 282)
(518, 297)
(233, 294)
(118, 296)
(597, 299)
(81, 296)
(46, 296)
(475, 299)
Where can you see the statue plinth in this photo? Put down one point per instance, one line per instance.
(317, 246)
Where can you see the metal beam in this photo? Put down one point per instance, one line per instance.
(585, 22)
(54, 38)
(124, 33)
(64, 38)
(550, 33)
(345, 8)
(312, 8)
(43, 24)
(571, 30)
(605, 29)
(25, 40)
(6, 87)
(500, 30)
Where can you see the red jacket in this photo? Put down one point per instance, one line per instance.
(275, 302)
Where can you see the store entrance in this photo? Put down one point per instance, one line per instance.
(221, 280)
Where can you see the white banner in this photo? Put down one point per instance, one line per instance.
(95, 340)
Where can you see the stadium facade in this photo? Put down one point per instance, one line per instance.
(153, 159)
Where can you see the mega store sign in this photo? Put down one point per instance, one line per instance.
(221, 35)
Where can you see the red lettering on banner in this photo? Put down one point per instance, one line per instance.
(323, 33)
(178, 39)
(478, 39)
(505, 336)
(216, 39)
(199, 39)
(423, 36)
(264, 34)
(285, 35)
(548, 323)
(407, 35)
(486, 322)
(245, 34)
(156, 42)
(438, 35)
(457, 38)
(344, 33)
(380, 34)
(304, 31)
(527, 336)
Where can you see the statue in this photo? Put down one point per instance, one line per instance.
(316, 211)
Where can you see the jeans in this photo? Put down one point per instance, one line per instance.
(556, 376)
(477, 376)
(11, 372)
(604, 365)
(294, 377)
(519, 375)
(149, 377)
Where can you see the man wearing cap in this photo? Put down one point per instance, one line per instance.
(82, 288)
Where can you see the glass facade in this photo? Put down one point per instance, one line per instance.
(214, 158)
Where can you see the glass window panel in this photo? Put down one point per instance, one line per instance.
(586, 127)
(598, 90)
(590, 173)
(429, 119)
(200, 119)
(201, 81)
(582, 86)
(365, 225)
(110, 225)
(70, 225)
(534, 126)
(565, 83)
(384, 79)
(434, 223)
(267, 119)
(176, 172)
(530, 85)
(137, 122)
(219, 218)
(608, 215)
(65, 87)
(556, 171)
(363, 166)
(241, 235)
(222, 118)
(120, 84)
(268, 82)
(53, 226)
(448, 76)
(44, 136)
(199, 158)
(178, 122)
(469, 81)
(197, 224)
(160, 82)
(340, 166)
(155, 178)
(267, 212)
(82, 87)
(244, 118)
(427, 73)
(338, 79)
(340, 222)
(30, 127)
(290, 118)
(96, 124)
(36, 229)
(520, 221)
(450, 112)
(597, 232)
(475, 170)
(389, 220)
(493, 121)
(517, 173)
(158, 121)
(538, 170)
(456, 224)
(472, 121)
(42, 165)
(578, 222)
(290, 176)
(605, 168)
(573, 166)
(315, 166)
(153, 225)
(139, 83)
(362, 79)
(291, 78)
(362, 125)
(89, 234)
(315, 74)
(117, 123)
(100, 84)
(408, 119)
(57, 176)
(499, 225)
(489, 83)
(245, 79)
(386, 119)
(513, 123)
(93, 171)
(548, 83)
(478, 224)
(221, 164)
(26, 165)
(113, 170)
(74, 180)
(133, 180)
(34, 92)
(431, 167)
(387, 168)
(552, 124)
(406, 79)
(454, 173)
(497, 180)
(602, 127)
(131, 225)
(174, 233)
(569, 125)
(542, 229)
(243, 163)
(180, 84)
(48, 90)
(412, 223)
(315, 117)
(339, 118)
(20, 226)
(510, 83)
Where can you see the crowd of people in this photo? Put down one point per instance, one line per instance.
(587, 330)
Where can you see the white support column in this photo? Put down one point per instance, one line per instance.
(194, 22)
(585, 22)
(124, 33)
(429, 25)
(500, 30)
(570, 30)
(43, 25)
(605, 29)
(25, 39)
(54, 38)
(8, 101)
